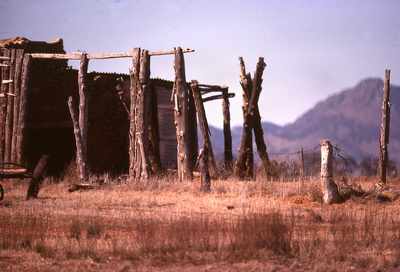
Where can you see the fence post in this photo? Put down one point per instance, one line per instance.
(384, 130)
(329, 187)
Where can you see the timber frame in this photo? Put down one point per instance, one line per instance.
(144, 154)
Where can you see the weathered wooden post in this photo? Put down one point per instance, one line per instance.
(384, 130)
(5, 73)
(244, 158)
(329, 187)
(302, 172)
(252, 120)
(203, 124)
(134, 76)
(80, 122)
(10, 108)
(205, 174)
(228, 157)
(181, 117)
(17, 92)
(25, 82)
(37, 177)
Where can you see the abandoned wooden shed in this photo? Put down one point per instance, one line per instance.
(35, 119)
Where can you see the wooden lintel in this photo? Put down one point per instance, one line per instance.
(77, 55)
(214, 97)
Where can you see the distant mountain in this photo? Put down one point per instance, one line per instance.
(350, 119)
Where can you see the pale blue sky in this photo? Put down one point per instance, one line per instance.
(312, 48)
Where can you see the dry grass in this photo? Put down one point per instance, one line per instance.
(167, 225)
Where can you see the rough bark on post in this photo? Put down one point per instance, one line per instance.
(83, 107)
(17, 92)
(181, 117)
(205, 174)
(246, 140)
(134, 76)
(255, 117)
(154, 137)
(25, 82)
(329, 187)
(302, 172)
(80, 162)
(384, 130)
(203, 124)
(228, 157)
(142, 113)
(10, 108)
(37, 177)
(5, 74)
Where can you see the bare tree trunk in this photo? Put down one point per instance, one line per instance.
(37, 177)
(228, 157)
(25, 84)
(181, 117)
(329, 187)
(203, 124)
(385, 130)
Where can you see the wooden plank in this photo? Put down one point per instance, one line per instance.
(77, 55)
(25, 85)
(17, 92)
(5, 73)
(215, 97)
(10, 110)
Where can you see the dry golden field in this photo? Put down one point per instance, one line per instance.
(162, 225)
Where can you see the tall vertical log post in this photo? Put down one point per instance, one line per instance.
(80, 122)
(25, 84)
(142, 114)
(181, 117)
(228, 157)
(134, 75)
(203, 124)
(329, 187)
(10, 108)
(245, 153)
(5, 74)
(255, 115)
(17, 92)
(385, 129)
(302, 172)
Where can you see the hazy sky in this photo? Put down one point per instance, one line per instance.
(312, 48)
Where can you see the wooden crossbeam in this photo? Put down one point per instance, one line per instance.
(8, 94)
(77, 55)
(4, 65)
(4, 58)
(214, 97)
(6, 81)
